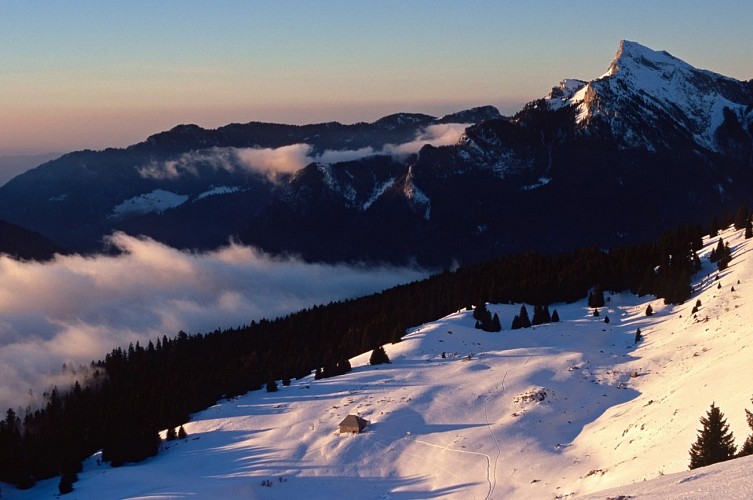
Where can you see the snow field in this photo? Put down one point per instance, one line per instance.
(553, 411)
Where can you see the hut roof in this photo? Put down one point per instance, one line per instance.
(353, 423)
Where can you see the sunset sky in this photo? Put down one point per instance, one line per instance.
(78, 74)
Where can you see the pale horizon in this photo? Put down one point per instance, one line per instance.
(91, 76)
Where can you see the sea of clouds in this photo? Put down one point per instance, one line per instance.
(274, 162)
(75, 309)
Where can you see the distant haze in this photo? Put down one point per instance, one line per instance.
(78, 75)
(76, 309)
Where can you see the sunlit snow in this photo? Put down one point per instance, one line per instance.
(553, 411)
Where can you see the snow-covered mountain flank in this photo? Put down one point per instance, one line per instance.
(554, 411)
(676, 100)
(652, 138)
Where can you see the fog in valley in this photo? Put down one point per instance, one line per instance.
(76, 309)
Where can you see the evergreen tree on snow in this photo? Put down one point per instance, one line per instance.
(379, 356)
(483, 318)
(515, 323)
(722, 255)
(170, 435)
(525, 321)
(725, 256)
(271, 385)
(481, 313)
(742, 217)
(65, 485)
(714, 227)
(555, 316)
(747, 447)
(496, 324)
(715, 442)
(538, 315)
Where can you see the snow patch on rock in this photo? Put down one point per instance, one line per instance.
(156, 201)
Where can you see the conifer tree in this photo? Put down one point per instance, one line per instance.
(538, 315)
(65, 485)
(271, 385)
(496, 325)
(182, 433)
(742, 217)
(480, 311)
(555, 316)
(343, 366)
(638, 336)
(721, 254)
(483, 318)
(515, 323)
(378, 356)
(715, 442)
(525, 321)
(747, 447)
(697, 266)
(170, 435)
(714, 227)
(649, 310)
(724, 257)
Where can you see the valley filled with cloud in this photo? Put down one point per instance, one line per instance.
(75, 309)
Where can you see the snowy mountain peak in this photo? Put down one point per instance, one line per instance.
(652, 100)
(634, 56)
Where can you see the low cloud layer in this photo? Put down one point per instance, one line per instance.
(444, 134)
(273, 162)
(76, 309)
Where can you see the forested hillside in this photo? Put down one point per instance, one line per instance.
(135, 391)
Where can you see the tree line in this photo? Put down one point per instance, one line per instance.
(134, 392)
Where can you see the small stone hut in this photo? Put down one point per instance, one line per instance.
(352, 423)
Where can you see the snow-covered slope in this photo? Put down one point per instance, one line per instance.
(554, 411)
(645, 86)
(728, 480)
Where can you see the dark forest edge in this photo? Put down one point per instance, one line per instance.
(133, 393)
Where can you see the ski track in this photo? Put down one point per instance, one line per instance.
(445, 448)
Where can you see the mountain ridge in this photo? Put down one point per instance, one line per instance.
(651, 139)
